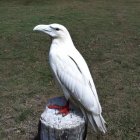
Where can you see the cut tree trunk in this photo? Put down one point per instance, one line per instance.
(58, 127)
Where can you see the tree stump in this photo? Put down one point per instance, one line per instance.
(57, 127)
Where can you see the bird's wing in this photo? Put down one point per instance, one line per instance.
(71, 75)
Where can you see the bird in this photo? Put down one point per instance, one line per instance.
(73, 75)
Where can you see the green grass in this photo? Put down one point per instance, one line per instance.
(107, 33)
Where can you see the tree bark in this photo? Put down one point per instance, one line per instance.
(58, 127)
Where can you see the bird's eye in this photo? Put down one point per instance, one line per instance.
(57, 29)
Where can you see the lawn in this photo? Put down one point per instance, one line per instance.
(107, 33)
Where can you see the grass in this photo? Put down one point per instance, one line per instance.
(107, 33)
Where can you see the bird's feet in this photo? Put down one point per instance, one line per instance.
(64, 110)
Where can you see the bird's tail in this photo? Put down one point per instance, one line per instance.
(97, 122)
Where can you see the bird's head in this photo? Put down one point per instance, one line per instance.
(53, 30)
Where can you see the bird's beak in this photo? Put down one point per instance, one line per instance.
(43, 28)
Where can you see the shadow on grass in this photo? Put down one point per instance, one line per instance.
(37, 137)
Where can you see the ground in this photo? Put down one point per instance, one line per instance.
(107, 33)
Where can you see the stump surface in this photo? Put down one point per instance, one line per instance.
(58, 127)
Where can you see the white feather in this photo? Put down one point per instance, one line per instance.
(73, 75)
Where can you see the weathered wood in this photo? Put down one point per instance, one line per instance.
(57, 127)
